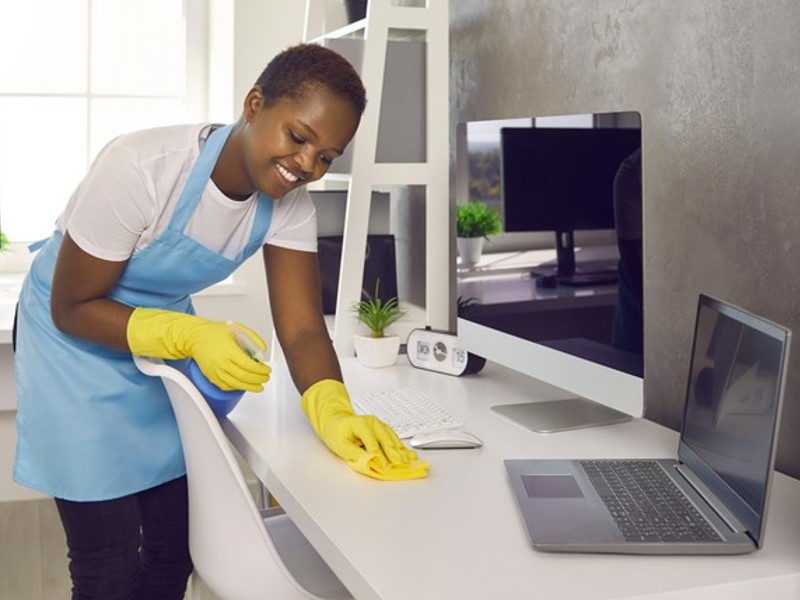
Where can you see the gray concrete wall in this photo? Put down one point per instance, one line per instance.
(717, 83)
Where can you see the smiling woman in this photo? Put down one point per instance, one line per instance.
(162, 214)
(286, 143)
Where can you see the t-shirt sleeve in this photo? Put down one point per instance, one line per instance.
(294, 222)
(111, 207)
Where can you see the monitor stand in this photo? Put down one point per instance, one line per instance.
(560, 415)
(567, 272)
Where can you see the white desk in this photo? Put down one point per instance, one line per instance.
(458, 534)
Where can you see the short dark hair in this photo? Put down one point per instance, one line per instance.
(298, 68)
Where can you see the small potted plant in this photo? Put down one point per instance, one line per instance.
(377, 349)
(475, 222)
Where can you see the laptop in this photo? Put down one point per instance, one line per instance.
(721, 479)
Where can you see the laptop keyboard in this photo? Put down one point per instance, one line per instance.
(645, 503)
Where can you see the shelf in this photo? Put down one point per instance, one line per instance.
(332, 182)
(354, 30)
(407, 23)
(401, 53)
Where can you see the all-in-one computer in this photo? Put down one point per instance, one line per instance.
(561, 180)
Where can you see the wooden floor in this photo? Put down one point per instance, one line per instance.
(33, 553)
(33, 550)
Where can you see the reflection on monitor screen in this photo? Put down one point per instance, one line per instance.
(562, 302)
(561, 180)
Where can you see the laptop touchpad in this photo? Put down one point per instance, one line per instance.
(551, 486)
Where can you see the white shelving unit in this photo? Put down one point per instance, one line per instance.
(385, 21)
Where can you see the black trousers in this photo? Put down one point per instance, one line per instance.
(130, 548)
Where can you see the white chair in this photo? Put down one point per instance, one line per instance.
(238, 552)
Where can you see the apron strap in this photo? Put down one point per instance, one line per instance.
(260, 226)
(197, 182)
(198, 178)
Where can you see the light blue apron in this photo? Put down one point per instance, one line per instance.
(89, 425)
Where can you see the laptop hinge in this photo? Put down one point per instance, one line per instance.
(710, 499)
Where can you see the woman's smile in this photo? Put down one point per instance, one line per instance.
(287, 175)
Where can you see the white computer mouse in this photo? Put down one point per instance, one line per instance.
(448, 438)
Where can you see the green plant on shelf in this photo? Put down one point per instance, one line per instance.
(3, 242)
(477, 219)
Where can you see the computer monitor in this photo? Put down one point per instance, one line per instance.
(563, 336)
(561, 180)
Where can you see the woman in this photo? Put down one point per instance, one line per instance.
(162, 214)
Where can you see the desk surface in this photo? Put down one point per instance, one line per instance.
(458, 533)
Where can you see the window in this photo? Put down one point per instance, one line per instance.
(483, 150)
(77, 73)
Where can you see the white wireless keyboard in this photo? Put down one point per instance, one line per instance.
(406, 410)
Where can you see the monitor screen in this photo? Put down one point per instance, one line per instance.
(562, 179)
(586, 336)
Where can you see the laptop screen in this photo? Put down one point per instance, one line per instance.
(733, 404)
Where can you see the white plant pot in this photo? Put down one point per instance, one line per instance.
(469, 250)
(377, 352)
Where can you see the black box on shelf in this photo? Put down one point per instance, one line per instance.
(379, 263)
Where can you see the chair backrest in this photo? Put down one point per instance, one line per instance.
(230, 547)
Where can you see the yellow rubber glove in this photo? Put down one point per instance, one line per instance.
(212, 344)
(366, 444)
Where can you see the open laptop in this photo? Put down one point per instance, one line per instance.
(725, 459)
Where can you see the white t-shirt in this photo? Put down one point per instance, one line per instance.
(130, 193)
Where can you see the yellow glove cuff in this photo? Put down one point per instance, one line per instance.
(325, 399)
(150, 332)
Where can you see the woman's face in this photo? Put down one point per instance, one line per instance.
(294, 141)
